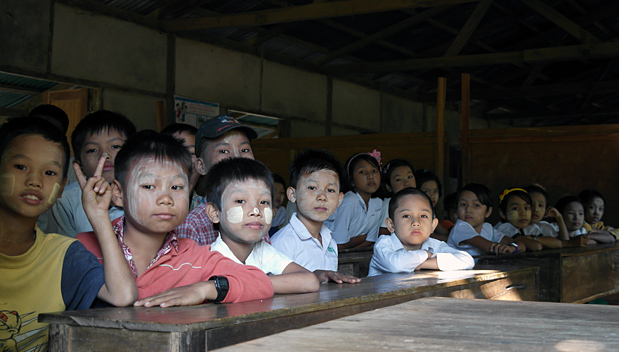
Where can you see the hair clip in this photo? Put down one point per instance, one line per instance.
(508, 191)
(376, 155)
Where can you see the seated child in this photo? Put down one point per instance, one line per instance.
(240, 194)
(43, 273)
(450, 209)
(152, 176)
(397, 175)
(409, 248)
(430, 184)
(187, 134)
(357, 220)
(99, 133)
(573, 212)
(515, 211)
(594, 210)
(472, 233)
(279, 217)
(315, 178)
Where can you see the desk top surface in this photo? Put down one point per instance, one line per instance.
(563, 252)
(439, 324)
(329, 296)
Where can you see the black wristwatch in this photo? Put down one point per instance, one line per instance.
(222, 287)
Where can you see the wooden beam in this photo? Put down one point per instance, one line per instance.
(312, 11)
(469, 27)
(94, 6)
(561, 21)
(440, 129)
(464, 133)
(552, 54)
(547, 90)
(10, 88)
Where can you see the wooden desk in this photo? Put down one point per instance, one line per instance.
(570, 275)
(355, 261)
(448, 324)
(211, 326)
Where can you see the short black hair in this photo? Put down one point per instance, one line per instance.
(312, 160)
(53, 114)
(481, 191)
(392, 165)
(537, 189)
(563, 203)
(424, 175)
(18, 126)
(180, 128)
(278, 179)
(350, 169)
(522, 194)
(149, 143)
(97, 122)
(233, 170)
(394, 203)
(588, 195)
(451, 202)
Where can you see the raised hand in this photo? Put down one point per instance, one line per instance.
(96, 192)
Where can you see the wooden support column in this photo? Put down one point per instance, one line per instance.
(440, 128)
(464, 133)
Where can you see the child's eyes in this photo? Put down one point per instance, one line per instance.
(20, 167)
(424, 216)
(92, 150)
(406, 216)
(311, 188)
(148, 186)
(331, 190)
(117, 146)
(265, 202)
(240, 201)
(247, 150)
(398, 179)
(50, 173)
(177, 188)
(223, 151)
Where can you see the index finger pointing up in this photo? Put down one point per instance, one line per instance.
(99, 169)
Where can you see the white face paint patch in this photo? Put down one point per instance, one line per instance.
(235, 215)
(512, 215)
(268, 215)
(54, 195)
(7, 185)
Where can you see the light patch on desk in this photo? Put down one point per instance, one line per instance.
(7, 184)
(54, 195)
(268, 215)
(235, 215)
(580, 345)
(179, 268)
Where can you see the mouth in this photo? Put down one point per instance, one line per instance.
(535, 216)
(254, 226)
(108, 166)
(32, 198)
(320, 209)
(165, 216)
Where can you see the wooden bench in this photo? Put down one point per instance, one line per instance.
(211, 326)
(448, 324)
(569, 275)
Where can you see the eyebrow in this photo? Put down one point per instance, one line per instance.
(24, 156)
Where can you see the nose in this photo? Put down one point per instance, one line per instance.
(165, 199)
(322, 195)
(255, 211)
(34, 180)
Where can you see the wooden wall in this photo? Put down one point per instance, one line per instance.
(565, 160)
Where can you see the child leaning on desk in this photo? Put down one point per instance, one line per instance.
(152, 176)
(41, 272)
(409, 247)
(315, 178)
(240, 198)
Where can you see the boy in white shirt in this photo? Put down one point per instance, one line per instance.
(409, 247)
(315, 179)
(240, 197)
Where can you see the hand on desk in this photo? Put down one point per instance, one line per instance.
(181, 296)
(324, 276)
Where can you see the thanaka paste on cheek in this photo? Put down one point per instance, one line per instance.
(7, 185)
(235, 215)
(268, 215)
(54, 195)
(512, 215)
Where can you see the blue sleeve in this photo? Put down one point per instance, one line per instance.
(82, 277)
(344, 215)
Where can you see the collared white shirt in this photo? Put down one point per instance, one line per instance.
(463, 231)
(295, 241)
(263, 256)
(390, 256)
(542, 228)
(352, 219)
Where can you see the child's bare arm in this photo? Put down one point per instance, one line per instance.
(493, 247)
(601, 236)
(182, 296)
(563, 233)
(549, 242)
(295, 279)
(531, 244)
(324, 276)
(119, 288)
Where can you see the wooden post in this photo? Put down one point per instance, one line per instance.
(440, 128)
(464, 133)
(160, 107)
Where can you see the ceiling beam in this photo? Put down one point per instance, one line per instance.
(552, 54)
(9, 88)
(312, 11)
(546, 90)
(469, 27)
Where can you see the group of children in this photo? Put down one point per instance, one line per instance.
(188, 216)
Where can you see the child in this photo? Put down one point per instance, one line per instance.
(240, 193)
(594, 210)
(99, 133)
(315, 178)
(515, 211)
(280, 210)
(152, 174)
(472, 233)
(187, 134)
(357, 220)
(409, 248)
(43, 273)
(573, 213)
(429, 183)
(397, 175)
(219, 138)
(450, 207)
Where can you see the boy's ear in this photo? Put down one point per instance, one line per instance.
(212, 213)
(341, 198)
(390, 225)
(200, 166)
(64, 183)
(291, 194)
(434, 224)
(388, 188)
(117, 194)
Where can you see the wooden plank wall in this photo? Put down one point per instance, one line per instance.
(565, 160)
